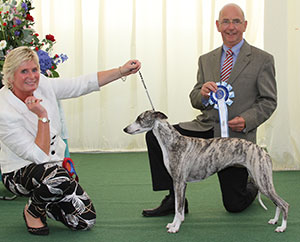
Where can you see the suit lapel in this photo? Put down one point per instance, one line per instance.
(216, 59)
(242, 61)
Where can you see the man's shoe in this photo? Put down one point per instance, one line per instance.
(166, 207)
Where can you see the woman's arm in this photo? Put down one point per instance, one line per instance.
(130, 67)
(42, 139)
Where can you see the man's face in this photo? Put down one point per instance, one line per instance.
(231, 25)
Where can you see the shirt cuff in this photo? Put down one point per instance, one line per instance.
(205, 101)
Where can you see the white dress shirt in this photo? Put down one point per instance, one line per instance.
(18, 125)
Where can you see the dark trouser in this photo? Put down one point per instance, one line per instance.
(51, 190)
(233, 180)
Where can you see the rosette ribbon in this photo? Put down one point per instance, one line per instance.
(220, 99)
(68, 164)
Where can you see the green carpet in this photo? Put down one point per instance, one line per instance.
(120, 186)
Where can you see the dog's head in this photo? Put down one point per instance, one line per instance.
(144, 122)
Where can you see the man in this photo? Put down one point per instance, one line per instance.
(253, 80)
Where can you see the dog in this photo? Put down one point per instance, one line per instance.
(189, 159)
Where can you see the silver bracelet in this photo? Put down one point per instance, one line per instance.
(123, 78)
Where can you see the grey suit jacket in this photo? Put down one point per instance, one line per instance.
(254, 86)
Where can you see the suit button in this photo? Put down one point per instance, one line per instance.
(52, 143)
(54, 137)
(53, 152)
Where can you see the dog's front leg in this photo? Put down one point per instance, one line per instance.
(179, 191)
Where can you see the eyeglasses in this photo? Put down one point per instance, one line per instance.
(235, 22)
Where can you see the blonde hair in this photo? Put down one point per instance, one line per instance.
(14, 59)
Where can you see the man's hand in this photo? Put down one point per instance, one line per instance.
(237, 124)
(207, 88)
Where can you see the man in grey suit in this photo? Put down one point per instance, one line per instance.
(253, 81)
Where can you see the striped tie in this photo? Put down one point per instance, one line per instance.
(227, 66)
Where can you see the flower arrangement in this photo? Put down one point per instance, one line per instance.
(16, 29)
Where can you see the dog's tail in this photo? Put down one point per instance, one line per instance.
(261, 202)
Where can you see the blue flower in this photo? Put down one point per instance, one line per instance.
(57, 62)
(18, 21)
(24, 5)
(45, 61)
(63, 57)
(17, 33)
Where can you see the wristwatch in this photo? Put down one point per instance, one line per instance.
(44, 120)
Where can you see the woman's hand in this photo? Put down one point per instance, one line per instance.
(130, 67)
(33, 104)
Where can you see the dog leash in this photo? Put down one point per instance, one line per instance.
(146, 90)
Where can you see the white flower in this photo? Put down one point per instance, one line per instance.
(2, 44)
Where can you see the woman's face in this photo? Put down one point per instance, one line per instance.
(26, 79)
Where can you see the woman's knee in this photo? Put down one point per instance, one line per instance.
(79, 222)
(58, 183)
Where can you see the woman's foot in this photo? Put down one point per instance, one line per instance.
(34, 225)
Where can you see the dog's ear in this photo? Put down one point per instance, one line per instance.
(160, 115)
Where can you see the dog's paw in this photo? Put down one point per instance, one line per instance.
(280, 229)
(173, 229)
(170, 225)
(272, 221)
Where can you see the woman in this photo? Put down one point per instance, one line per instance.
(32, 149)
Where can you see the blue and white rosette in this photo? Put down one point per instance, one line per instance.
(220, 99)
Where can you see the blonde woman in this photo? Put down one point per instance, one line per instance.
(31, 145)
